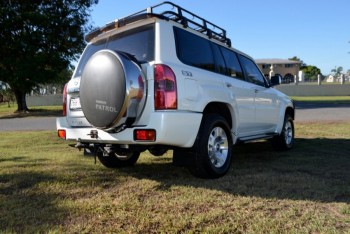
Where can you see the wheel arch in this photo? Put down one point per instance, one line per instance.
(291, 112)
(226, 111)
(285, 139)
(288, 111)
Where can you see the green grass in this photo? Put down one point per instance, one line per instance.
(324, 99)
(48, 187)
(316, 83)
(34, 111)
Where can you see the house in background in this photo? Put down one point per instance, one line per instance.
(288, 69)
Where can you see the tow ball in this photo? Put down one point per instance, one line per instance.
(93, 134)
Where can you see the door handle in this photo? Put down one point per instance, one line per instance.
(228, 85)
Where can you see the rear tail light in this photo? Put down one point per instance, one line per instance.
(145, 135)
(165, 91)
(65, 100)
(61, 133)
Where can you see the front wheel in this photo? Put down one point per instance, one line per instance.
(285, 140)
(114, 160)
(213, 154)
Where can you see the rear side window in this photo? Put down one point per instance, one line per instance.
(194, 50)
(219, 59)
(138, 43)
(233, 67)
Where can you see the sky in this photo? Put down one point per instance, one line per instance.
(316, 31)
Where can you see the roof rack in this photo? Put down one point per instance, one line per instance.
(168, 11)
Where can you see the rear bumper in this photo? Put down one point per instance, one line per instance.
(172, 128)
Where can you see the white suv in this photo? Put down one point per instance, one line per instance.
(165, 78)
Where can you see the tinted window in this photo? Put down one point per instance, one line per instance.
(252, 72)
(139, 43)
(194, 50)
(233, 67)
(89, 51)
(219, 60)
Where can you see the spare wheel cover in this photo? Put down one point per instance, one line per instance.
(103, 89)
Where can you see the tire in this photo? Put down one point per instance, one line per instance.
(213, 153)
(111, 90)
(285, 140)
(114, 160)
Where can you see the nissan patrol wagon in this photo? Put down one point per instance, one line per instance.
(164, 79)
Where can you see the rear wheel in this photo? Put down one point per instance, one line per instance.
(113, 160)
(285, 140)
(214, 148)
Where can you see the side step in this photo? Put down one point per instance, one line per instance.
(256, 137)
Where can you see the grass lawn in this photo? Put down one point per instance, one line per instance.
(48, 187)
(35, 111)
(324, 99)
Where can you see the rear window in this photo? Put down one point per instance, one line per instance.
(138, 43)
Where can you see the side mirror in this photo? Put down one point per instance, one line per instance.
(275, 80)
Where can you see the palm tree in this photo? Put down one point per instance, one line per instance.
(337, 71)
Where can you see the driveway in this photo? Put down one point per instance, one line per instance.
(28, 124)
(321, 112)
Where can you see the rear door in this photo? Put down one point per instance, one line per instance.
(241, 92)
(266, 102)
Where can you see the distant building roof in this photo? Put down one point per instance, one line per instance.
(276, 61)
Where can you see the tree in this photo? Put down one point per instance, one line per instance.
(337, 71)
(56, 86)
(311, 72)
(39, 39)
(295, 58)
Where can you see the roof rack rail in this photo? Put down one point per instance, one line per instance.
(169, 11)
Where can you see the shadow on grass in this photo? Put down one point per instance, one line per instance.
(316, 169)
(26, 208)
